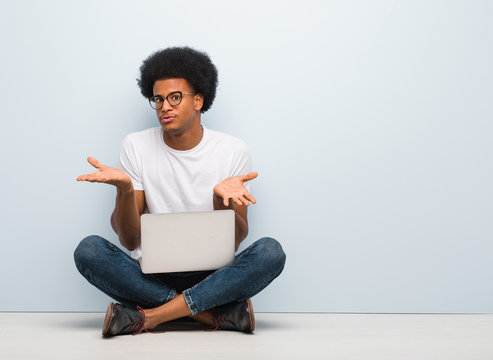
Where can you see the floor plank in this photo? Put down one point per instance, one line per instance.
(277, 336)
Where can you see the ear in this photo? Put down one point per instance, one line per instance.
(198, 101)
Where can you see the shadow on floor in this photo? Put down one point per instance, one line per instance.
(176, 325)
(268, 325)
(90, 322)
(182, 324)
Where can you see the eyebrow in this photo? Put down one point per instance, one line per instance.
(169, 93)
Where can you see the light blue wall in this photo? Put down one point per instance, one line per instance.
(370, 124)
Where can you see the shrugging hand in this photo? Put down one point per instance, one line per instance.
(107, 175)
(233, 188)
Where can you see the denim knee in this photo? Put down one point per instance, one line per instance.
(87, 249)
(272, 253)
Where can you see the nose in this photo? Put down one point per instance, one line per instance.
(166, 106)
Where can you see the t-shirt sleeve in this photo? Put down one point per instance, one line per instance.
(242, 162)
(130, 163)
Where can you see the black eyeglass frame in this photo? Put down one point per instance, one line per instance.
(167, 99)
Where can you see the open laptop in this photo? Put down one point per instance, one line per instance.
(193, 241)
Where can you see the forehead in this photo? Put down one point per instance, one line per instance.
(165, 86)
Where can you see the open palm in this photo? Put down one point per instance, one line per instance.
(107, 175)
(233, 188)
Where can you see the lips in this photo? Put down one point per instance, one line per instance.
(167, 119)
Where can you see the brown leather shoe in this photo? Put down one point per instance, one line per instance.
(120, 320)
(236, 316)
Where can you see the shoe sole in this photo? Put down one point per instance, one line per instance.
(108, 318)
(251, 315)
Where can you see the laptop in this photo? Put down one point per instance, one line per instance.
(193, 241)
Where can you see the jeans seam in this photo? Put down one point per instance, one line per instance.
(189, 301)
(171, 295)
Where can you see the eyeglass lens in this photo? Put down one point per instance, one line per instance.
(173, 99)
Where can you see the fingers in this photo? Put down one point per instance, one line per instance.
(94, 177)
(90, 177)
(250, 198)
(241, 200)
(95, 163)
(244, 199)
(83, 177)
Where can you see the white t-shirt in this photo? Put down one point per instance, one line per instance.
(181, 181)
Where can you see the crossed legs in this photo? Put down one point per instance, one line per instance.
(118, 275)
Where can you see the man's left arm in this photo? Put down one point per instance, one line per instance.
(232, 194)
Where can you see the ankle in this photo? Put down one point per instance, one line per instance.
(205, 317)
(149, 319)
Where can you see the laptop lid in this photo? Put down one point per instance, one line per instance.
(194, 241)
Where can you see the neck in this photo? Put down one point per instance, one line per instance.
(184, 140)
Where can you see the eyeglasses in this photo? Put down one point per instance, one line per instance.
(174, 99)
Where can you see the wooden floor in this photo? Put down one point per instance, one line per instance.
(277, 336)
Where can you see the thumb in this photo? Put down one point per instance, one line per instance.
(250, 176)
(95, 163)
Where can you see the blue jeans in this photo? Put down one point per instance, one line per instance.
(119, 276)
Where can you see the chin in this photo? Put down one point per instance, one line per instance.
(170, 129)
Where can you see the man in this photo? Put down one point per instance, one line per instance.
(178, 167)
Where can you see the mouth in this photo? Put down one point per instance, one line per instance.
(166, 119)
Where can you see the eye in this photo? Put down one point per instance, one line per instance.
(158, 100)
(175, 97)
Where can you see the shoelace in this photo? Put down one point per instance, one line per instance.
(139, 325)
(218, 321)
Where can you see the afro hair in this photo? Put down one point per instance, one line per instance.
(180, 62)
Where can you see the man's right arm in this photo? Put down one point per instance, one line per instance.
(125, 220)
(130, 204)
